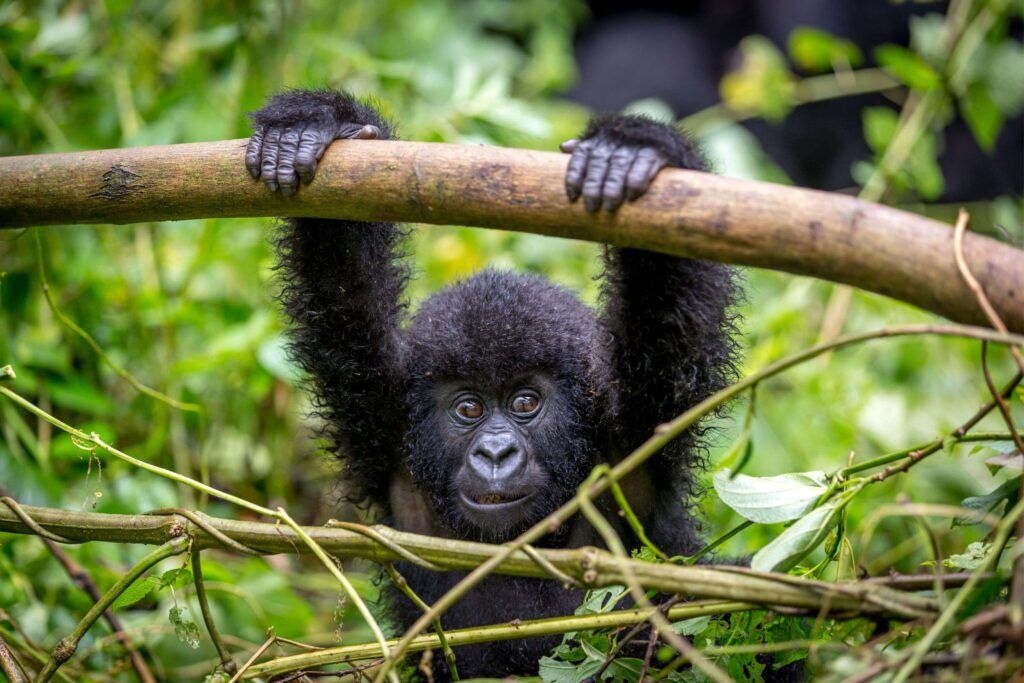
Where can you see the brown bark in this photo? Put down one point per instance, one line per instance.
(830, 236)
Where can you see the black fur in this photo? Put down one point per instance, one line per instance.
(663, 341)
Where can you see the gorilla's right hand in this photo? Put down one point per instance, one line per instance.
(287, 142)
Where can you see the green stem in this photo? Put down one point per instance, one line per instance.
(692, 559)
(938, 629)
(399, 581)
(899, 455)
(226, 662)
(657, 619)
(64, 649)
(486, 634)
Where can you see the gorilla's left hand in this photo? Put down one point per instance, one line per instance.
(606, 171)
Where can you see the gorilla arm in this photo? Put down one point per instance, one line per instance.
(341, 287)
(668, 317)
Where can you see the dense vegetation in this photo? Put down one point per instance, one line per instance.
(187, 309)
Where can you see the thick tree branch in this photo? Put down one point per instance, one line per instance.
(830, 236)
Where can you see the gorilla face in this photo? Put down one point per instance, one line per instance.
(495, 459)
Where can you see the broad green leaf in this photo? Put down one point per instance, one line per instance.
(691, 627)
(601, 600)
(879, 127)
(768, 500)
(795, 542)
(908, 67)
(137, 591)
(815, 50)
(982, 115)
(623, 670)
(989, 502)
(971, 558)
(923, 170)
(1005, 85)
(555, 671)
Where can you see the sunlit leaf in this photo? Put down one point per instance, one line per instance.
(763, 84)
(793, 544)
(908, 67)
(813, 49)
(768, 500)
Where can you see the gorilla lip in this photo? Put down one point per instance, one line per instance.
(493, 501)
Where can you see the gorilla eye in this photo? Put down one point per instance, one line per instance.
(525, 404)
(470, 409)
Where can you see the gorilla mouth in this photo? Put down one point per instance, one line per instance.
(496, 499)
(494, 502)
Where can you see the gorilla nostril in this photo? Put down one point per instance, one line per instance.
(496, 456)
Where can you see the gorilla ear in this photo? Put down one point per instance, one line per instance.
(410, 508)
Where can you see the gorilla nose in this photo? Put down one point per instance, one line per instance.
(496, 456)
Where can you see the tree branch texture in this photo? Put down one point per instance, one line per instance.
(590, 566)
(806, 232)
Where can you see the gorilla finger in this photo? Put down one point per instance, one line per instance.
(311, 147)
(368, 132)
(597, 171)
(268, 165)
(287, 179)
(252, 153)
(569, 145)
(614, 192)
(645, 167)
(577, 169)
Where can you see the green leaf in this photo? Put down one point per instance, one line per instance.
(926, 34)
(908, 67)
(623, 670)
(691, 627)
(1005, 85)
(599, 600)
(880, 125)
(923, 170)
(180, 576)
(136, 591)
(989, 502)
(555, 671)
(982, 116)
(795, 542)
(815, 50)
(768, 500)
(969, 560)
(763, 85)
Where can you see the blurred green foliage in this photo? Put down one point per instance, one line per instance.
(187, 307)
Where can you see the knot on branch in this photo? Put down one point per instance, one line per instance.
(64, 650)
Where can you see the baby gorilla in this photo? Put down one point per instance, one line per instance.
(486, 410)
